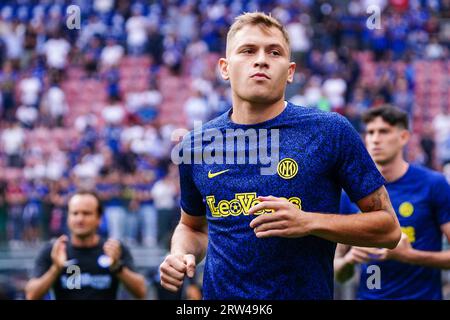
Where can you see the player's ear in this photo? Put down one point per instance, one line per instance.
(405, 135)
(291, 72)
(223, 68)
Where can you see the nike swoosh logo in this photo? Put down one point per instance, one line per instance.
(212, 175)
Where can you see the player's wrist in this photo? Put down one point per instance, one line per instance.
(406, 255)
(179, 252)
(311, 222)
(348, 259)
(57, 268)
(117, 267)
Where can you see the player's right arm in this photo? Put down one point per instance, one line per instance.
(36, 288)
(347, 256)
(189, 243)
(343, 270)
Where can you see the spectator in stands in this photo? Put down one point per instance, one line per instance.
(113, 113)
(299, 31)
(402, 97)
(30, 90)
(91, 56)
(164, 194)
(155, 44)
(196, 108)
(136, 27)
(27, 116)
(110, 192)
(15, 199)
(441, 126)
(3, 211)
(56, 209)
(196, 53)
(31, 214)
(13, 37)
(147, 211)
(334, 88)
(56, 51)
(131, 204)
(55, 106)
(111, 54)
(434, 50)
(428, 145)
(8, 78)
(13, 143)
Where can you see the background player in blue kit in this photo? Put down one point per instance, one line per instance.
(288, 252)
(421, 199)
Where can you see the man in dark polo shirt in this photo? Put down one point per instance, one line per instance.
(84, 266)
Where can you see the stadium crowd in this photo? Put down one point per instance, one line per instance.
(95, 107)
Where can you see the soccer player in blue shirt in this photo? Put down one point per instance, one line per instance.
(273, 236)
(421, 199)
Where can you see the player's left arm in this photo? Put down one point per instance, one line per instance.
(134, 282)
(376, 227)
(440, 201)
(404, 252)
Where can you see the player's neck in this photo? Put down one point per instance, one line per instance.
(245, 112)
(394, 170)
(90, 241)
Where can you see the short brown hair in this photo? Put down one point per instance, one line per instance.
(253, 19)
(390, 114)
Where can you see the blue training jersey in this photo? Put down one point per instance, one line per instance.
(421, 200)
(319, 154)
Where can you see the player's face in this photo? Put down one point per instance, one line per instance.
(258, 65)
(384, 141)
(83, 219)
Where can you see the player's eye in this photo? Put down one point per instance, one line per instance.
(247, 50)
(275, 53)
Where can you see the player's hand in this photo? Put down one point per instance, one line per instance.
(113, 250)
(59, 254)
(287, 220)
(402, 250)
(173, 270)
(364, 255)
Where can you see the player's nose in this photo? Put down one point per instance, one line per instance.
(261, 59)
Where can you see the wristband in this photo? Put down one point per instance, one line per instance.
(117, 269)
